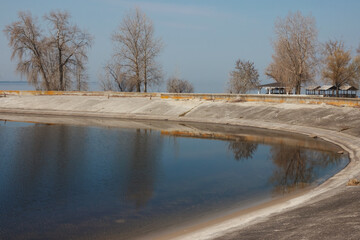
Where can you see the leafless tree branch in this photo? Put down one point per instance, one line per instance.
(51, 61)
(177, 85)
(339, 66)
(244, 78)
(295, 58)
(136, 49)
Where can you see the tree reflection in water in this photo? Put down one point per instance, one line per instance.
(144, 157)
(242, 148)
(65, 181)
(296, 166)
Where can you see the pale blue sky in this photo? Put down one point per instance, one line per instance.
(202, 38)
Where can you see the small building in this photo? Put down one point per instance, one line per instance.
(327, 91)
(312, 90)
(273, 88)
(348, 91)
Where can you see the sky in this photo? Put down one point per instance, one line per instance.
(202, 39)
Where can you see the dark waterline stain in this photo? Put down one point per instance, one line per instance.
(60, 181)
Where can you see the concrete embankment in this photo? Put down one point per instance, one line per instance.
(219, 108)
(335, 120)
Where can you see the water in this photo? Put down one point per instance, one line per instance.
(61, 181)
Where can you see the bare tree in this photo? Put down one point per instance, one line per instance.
(151, 48)
(29, 47)
(177, 85)
(54, 59)
(81, 77)
(137, 49)
(294, 60)
(280, 75)
(70, 44)
(339, 66)
(244, 78)
(115, 79)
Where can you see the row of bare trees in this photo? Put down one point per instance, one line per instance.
(57, 60)
(52, 61)
(298, 59)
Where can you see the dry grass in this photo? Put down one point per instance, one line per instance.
(353, 182)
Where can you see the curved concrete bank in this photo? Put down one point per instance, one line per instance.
(331, 203)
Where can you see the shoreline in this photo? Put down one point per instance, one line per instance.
(210, 219)
(329, 188)
(208, 229)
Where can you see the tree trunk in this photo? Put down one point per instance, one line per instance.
(61, 71)
(145, 81)
(47, 85)
(138, 83)
(298, 88)
(138, 87)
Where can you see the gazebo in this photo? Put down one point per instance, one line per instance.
(345, 90)
(312, 90)
(327, 90)
(273, 88)
(348, 91)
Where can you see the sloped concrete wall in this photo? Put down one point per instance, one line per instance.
(194, 106)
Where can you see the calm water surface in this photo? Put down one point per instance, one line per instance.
(60, 181)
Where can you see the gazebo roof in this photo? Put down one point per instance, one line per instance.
(312, 88)
(348, 88)
(327, 87)
(272, 85)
